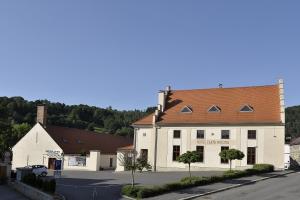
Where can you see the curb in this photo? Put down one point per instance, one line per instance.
(235, 186)
(127, 197)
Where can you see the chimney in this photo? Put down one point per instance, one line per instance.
(281, 98)
(162, 96)
(41, 115)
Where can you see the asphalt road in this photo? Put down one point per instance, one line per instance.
(286, 188)
(107, 184)
(7, 193)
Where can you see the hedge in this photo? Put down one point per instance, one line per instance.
(143, 192)
(42, 184)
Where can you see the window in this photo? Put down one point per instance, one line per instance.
(176, 152)
(200, 134)
(144, 134)
(246, 108)
(225, 134)
(110, 162)
(176, 134)
(224, 161)
(186, 109)
(214, 109)
(252, 134)
(144, 154)
(251, 154)
(200, 151)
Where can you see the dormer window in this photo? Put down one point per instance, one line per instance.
(214, 109)
(186, 109)
(246, 108)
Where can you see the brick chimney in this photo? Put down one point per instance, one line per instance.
(41, 115)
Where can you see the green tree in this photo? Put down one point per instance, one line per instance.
(19, 130)
(142, 163)
(128, 160)
(188, 158)
(231, 154)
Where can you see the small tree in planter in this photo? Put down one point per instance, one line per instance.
(231, 154)
(129, 163)
(188, 158)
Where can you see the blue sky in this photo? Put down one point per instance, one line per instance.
(120, 53)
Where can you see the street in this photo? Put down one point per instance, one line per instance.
(286, 188)
(107, 184)
(7, 193)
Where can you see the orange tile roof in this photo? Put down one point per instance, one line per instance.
(264, 100)
(147, 120)
(74, 141)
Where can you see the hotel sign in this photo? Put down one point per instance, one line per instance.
(213, 142)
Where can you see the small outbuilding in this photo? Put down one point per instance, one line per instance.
(61, 148)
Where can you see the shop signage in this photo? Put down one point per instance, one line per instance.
(52, 153)
(213, 142)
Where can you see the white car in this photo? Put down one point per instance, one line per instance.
(39, 170)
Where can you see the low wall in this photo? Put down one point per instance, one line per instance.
(30, 192)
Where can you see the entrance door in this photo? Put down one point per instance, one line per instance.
(51, 163)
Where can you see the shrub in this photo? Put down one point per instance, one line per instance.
(186, 182)
(190, 179)
(45, 185)
(52, 186)
(263, 167)
(130, 191)
(29, 179)
(234, 174)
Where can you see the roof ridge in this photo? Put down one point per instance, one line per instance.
(241, 87)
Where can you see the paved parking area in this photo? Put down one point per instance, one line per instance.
(7, 193)
(107, 184)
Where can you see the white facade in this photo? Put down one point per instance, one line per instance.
(32, 148)
(37, 147)
(258, 133)
(269, 145)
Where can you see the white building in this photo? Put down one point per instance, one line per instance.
(251, 119)
(66, 148)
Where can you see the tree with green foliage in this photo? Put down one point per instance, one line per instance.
(142, 163)
(128, 160)
(231, 154)
(18, 115)
(188, 158)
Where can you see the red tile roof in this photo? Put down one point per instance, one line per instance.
(74, 141)
(263, 99)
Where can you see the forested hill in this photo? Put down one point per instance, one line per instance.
(292, 116)
(17, 116)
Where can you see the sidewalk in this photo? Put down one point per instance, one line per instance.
(216, 187)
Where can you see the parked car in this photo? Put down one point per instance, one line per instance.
(39, 170)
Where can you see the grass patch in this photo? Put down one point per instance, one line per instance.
(140, 192)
